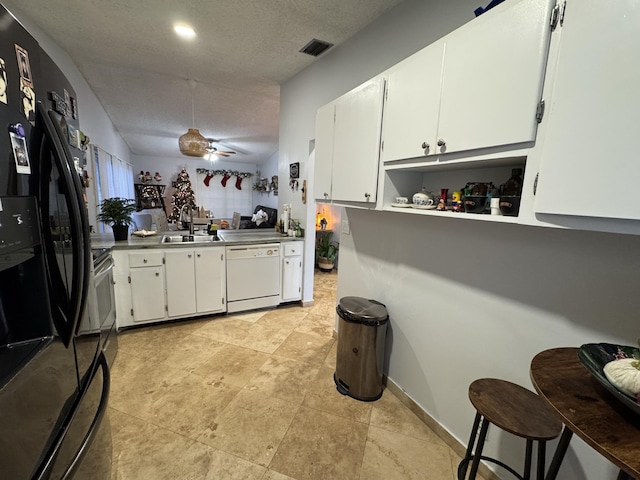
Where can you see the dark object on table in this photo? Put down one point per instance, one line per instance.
(509, 206)
(594, 356)
(272, 219)
(475, 203)
(480, 10)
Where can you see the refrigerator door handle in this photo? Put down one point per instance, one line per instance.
(68, 308)
(49, 464)
(95, 424)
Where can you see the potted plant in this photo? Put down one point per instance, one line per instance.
(326, 252)
(117, 212)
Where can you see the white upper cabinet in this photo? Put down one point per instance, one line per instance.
(324, 151)
(412, 101)
(591, 146)
(477, 88)
(356, 143)
(493, 76)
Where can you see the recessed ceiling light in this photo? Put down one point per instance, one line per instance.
(184, 31)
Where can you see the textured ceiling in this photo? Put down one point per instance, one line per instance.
(139, 69)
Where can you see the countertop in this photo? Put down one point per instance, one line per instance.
(227, 237)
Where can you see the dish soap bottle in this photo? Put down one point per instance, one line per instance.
(513, 186)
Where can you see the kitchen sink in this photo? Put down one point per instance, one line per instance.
(189, 239)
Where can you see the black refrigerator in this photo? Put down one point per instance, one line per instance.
(54, 378)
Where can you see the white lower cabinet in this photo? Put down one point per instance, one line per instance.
(146, 279)
(211, 284)
(181, 282)
(291, 271)
(195, 281)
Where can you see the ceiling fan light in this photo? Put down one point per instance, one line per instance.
(193, 144)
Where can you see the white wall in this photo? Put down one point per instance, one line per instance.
(170, 167)
(94, 121)
(467, 299)
(267, 170)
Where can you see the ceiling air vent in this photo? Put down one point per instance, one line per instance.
(316, 47)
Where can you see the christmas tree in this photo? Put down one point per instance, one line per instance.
(182, 195)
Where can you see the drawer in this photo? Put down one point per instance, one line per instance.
(292, 249)
(145, 259)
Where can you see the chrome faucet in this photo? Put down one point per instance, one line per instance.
(191, 230)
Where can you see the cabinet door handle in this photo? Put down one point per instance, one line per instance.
(198, 255)
(144, 261)
(157, 274)
(441, 142)
(425, 146)
(367, 196)
(326, 195)
(189, 255)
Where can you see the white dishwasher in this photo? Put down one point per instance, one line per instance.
(253, 276)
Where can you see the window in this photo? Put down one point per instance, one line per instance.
(114, 178)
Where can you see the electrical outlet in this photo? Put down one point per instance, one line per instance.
(345, 227)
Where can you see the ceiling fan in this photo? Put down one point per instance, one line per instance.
(211, 150)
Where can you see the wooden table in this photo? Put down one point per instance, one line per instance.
(587, 409)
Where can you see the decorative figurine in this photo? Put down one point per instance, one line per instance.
(157, 177)
(456, 201)
(442, 204)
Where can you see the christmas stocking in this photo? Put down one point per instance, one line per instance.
(224, 179)
(207, 179)
(238, 182)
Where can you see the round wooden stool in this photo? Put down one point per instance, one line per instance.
(516, 410)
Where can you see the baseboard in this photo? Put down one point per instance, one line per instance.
(308, 303)
(428, 420)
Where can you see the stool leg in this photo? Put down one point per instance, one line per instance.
(478, 452)
(542, 445)
(527, 460)
(464, 464)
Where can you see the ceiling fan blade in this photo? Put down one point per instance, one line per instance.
(225, 152)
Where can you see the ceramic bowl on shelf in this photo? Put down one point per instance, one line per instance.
(475, 203)
(509, 206)
(424, 199)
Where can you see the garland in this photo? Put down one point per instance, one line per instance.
(226, 175)
(231, 173)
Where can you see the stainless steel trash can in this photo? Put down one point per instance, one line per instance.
(362, 328)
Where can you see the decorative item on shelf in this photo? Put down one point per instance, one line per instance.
(117, 212)
(510, 193)
(157, 177)
(513, 186)
(423, 200)
(326, 251)
(274, 185)
(442, 203)
(456, 201)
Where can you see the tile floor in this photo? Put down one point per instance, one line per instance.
(251, 396)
